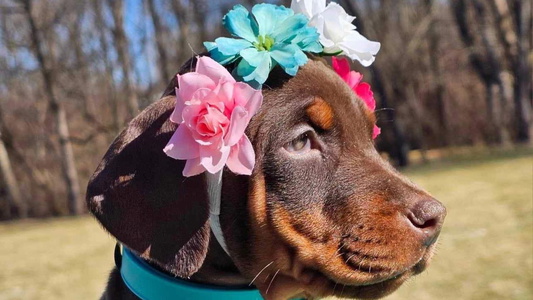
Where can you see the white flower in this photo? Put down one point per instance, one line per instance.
(337, 33)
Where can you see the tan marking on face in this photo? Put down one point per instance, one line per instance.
(257, 197)
(321, 113)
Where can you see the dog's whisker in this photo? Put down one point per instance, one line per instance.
(264, 268)
(266, 85)
(267, 277)
(383, 109)
(273, 277)
(361, 264)
(192, 49)
(338, 249)
(349, 257)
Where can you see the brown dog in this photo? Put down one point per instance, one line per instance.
(322, 214)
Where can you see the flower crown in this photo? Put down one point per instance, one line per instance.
(214, 107)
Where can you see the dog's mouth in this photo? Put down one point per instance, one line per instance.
(372, 279)
(321, 286)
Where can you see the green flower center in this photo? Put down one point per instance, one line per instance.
(264, 43)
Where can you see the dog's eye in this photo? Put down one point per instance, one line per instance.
(301, 144)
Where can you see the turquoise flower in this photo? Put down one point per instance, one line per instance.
(271, 35)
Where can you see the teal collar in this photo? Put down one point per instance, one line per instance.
(150, 284)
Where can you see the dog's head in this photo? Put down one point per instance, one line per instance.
(322, 213)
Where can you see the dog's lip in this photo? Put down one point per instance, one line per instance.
(320, 285)
(384, 280)
(311, 276)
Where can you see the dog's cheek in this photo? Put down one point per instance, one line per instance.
(267, 252)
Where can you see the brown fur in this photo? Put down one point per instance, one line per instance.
(321, 114)
(337, 221)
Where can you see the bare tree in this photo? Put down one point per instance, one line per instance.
(15, 198)
(436, 72)
(522, 15)
(68, 166)
(121, 44)
(398, 149)
(108, 74)
(159, 40)
(183, 15)
(486, 64)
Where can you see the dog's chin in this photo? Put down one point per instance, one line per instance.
(322, 286)
(316, 284)
(380, 286)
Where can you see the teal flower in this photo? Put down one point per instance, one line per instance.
(271, 35)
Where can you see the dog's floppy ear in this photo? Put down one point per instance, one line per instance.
(139, 195)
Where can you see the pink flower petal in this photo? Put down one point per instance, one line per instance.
(176, 116)
(210, 68)
(247, 97)
(193, 167)
(341, 66)
(182, 145)
(238, 122)
(212, 123)
(214, 111)
(361, 89)
(353, 79)
(190, 115)
(242, 157)
(364, 91)
(225, 95)
(375, 132)
(214, 99)
(191, 82)
(213, 158)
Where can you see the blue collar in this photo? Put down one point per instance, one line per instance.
(148, 283)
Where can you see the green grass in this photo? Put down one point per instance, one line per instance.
(66, 258)
(485, 250)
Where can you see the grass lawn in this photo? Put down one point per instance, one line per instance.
(485, 251)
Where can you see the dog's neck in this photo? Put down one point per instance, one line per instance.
(218, 268)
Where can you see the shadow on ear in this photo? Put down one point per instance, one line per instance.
(140, 196)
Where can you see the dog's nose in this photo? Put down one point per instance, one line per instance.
(427, 216)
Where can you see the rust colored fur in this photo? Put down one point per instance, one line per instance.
(333, 221)
(321, 114)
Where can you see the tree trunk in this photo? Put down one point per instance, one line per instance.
(121, 44)
(522, 104)
(505, 30)
(511, 26)
(68, 166)
(183, 15)
(15, 198)
(13, 191)
(400, 148)
(414, 106)
(89, 110)
(434, 55)
(498, 75)
(158, 27)
(110, 87)
(486, 67)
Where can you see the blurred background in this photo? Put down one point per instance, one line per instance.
(453, 82)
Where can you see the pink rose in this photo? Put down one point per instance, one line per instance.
(361, 89)
(213, 111)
